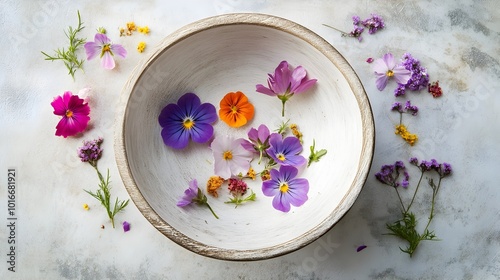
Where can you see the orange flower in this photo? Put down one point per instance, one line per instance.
(235, 110)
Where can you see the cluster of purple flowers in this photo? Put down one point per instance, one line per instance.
(419, 77)
(408, 108)
(389, 175)
(443, 169)
(373, 23)
(91, 151)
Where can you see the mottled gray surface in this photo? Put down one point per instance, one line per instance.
(458, 42)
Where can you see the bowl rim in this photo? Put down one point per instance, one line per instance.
(277, 23)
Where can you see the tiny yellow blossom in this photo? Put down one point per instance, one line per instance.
(86, 206)
(251, 173)
(141, 47)
(122, 31)
(265, 175)
(410, 138)
(213, 184)
(131, 26)
(296, 132)
(143, 30)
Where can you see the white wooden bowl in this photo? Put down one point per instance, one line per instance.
(212, 57)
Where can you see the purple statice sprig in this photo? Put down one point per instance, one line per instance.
(406, 227)
(407, 109)
(373, 23)
(419, 78)
(91, 152)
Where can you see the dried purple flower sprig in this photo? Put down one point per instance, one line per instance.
(373, 23)
(91, 152)
(405, 228)
(419, 77)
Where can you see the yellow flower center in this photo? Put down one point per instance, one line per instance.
(106, 48)
(188, 123)
(389, 73)
(69, 113)
(284, 187)
(227, 155)
(281, 157)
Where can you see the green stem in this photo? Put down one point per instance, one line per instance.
(211, 210)
(416, 189)
(401, 201)
(434, 194)
(283, 108)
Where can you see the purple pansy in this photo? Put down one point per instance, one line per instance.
(286, 189)
(386, 68)
(259, 140)
(286, 82)
(188, 119)
(102, 46)
(285, 151)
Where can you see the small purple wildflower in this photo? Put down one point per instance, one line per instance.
(285, 151)
(400, 90)
(194, 194)
(373, 23)
(419, 77)
(259, 140)
(356, 20)
(389, 175)
(414, 161)
(126, 226)
(91, 151)
(386, 68)
(361, 248)
(445, 169)
(411, 108)
(397, 107)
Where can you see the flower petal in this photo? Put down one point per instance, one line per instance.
(379, 66)
(202, 132)
(281, 202)
(305, 86)
(101, 39)
(263, 133)
(270, 187)
(381, 81)
(59, 106)
(389, 60)
(262, 89)
(92, 50)
(205, 113)
(175, 136)
(107, 61)
(281, 78)
(296, 78)
(401, 75)
(119, 50)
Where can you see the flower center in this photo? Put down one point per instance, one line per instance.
(188, 123)
(69, 113)
(234, 109)
(106, 48)
(389, 73)
(281, 157)
(283, 187)
(227, 155)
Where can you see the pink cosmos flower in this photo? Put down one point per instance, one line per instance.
(230, 157)
(285, 83)
(74, 112)
(386, 68)
(102, 45)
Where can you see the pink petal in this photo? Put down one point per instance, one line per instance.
(281, 78)
(298, 75)
(59, 106)
(107, 61)
(401, 74)
(101, 39)
(305, 86)
(92, 49)
(389, 60)
(381, 81)
(262, 89)
(119, 50)
(379, 66)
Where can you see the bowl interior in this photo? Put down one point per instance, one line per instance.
(234, 54)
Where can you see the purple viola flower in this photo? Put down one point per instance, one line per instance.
(373, 23)
(285, 151)
(188, 119)
(386, 68)
(258, 140)
(286, 82)
(103, 47)
(286, 189)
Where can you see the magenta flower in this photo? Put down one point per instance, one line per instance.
(102, 45)
(285, 83)
(259, 140)
(285, 188)
(74, 112)
(386, 68)
(194, 194)
(230, 158)
(285, 151)
(188, 119)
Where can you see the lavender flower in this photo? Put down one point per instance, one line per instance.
(389, 175)
(91, 151)
(411, 108)
(397, 107)
(443, 169)
(374, 23)
(419, 78)
(193, 194)
(386, 68)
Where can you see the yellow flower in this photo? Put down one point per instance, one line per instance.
(143, 30)
(251, 173)
(213, 184)
(131, 26)
(410, 138)
(86, 206)
(296, 132)
(141, 47)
